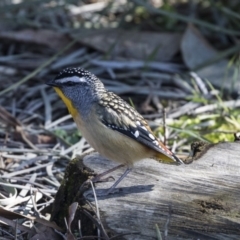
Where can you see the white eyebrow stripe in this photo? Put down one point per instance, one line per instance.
(75, 79)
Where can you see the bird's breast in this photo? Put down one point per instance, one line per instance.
(110, 143)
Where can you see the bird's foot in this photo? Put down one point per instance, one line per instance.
(99, 178)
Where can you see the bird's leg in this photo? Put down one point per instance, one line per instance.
(110, 190)
(98, 178)
(128, 170)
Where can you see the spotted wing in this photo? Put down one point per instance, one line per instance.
(116, 114)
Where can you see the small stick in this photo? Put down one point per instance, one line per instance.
(164, 126)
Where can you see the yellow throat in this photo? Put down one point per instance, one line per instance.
(72, 110)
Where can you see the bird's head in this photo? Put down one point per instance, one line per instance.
(77, 87)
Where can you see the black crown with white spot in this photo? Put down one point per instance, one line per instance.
(69, 72)
(76, 76)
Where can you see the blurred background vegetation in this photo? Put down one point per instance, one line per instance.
(171, 54)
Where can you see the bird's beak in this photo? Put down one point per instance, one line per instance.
(52, 83)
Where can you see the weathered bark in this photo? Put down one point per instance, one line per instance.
(195, 201)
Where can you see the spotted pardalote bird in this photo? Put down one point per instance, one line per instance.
(109, 124)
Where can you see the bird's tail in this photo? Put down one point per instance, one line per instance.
(167, 158)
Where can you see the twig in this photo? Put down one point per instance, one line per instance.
(212, 107)
(47, 107)
(164, 126)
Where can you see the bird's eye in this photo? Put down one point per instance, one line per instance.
(70, 83)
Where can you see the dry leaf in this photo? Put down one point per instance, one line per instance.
(12, 215)
(71, 212)
(197, 51)
(44, 233)
(20, 134)
(11, 193)
(52, 39)
(132, 44)
(12, 224)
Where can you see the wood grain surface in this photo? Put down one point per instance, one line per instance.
(200, 200)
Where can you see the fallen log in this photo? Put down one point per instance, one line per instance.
(193, 201)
